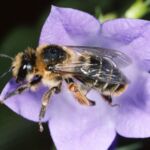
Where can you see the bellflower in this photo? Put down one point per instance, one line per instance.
(76, 127)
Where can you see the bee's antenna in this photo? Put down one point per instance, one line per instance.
(10, 69)
(6, 56)
(5, 73)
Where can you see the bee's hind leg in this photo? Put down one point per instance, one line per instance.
(108, 98)
(78, 93)
(45, 101)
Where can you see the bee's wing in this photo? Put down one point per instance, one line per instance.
(119, 58)
(102, 76)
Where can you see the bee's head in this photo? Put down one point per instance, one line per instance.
(23, 64)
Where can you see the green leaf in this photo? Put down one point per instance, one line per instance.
(137, 10)
(134, 146)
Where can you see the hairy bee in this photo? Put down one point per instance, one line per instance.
(94, 68)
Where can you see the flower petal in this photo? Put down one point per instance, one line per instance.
(132, 117)
(127, 35)
(69, 26)
(77, 127)
(62, 117)
(73, 126)
(130, 36)
(27, 104)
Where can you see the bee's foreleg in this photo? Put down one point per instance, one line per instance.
(21, 89)
(45, 101)
(78, 93)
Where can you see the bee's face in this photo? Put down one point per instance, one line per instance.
(23, 65)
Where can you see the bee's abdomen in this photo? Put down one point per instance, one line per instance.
(103, 75)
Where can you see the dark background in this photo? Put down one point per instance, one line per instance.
(20, 27)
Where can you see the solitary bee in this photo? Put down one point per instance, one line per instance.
(93, 68)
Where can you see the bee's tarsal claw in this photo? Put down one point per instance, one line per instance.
(115, 105)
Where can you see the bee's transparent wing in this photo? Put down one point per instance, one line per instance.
(102, 76)
(119, 58)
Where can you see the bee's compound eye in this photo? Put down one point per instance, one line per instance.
(24, 67)
(27, 66)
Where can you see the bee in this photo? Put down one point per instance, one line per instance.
(82, 68)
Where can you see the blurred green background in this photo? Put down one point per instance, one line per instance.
(20, 27)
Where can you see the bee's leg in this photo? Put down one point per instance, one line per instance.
(108, 98)
(45, 101)
(21, 89)
(78, 93)
(85, 90)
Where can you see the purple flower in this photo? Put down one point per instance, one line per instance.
(76, 127)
